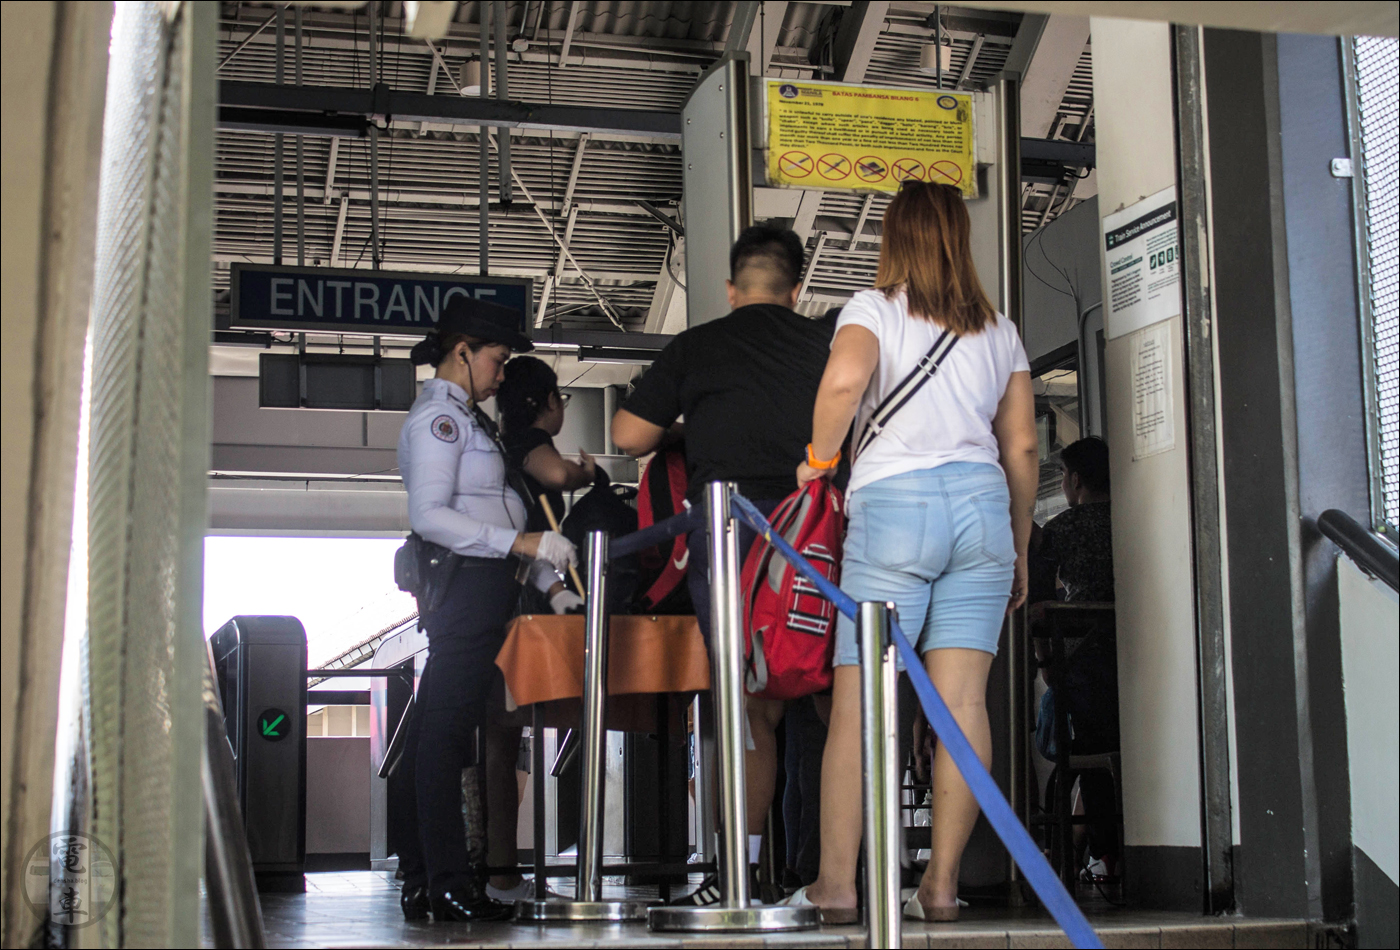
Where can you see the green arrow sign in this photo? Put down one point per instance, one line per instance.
(273, 725)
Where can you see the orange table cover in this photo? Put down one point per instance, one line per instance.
(542, 658)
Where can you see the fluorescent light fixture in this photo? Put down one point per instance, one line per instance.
(609, 354)
(428, 20)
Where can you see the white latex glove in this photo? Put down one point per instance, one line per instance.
(557, 550)
(565, 601)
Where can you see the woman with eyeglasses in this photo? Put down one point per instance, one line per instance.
(943, 483)
(532, 414)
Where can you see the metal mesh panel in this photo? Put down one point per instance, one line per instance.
(1378, 99)
(144, 704)
(122, 223)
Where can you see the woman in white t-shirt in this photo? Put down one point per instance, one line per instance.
(940, 503)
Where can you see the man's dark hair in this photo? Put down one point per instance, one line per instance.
(1088, 458)
(772, 255)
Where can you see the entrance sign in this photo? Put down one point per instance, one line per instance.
(344, 300)
(1142, 254)
(864, 138)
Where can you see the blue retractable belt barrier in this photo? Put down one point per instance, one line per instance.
(692, 519)
(1018, 841)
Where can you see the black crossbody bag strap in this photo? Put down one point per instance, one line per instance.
(923, 371)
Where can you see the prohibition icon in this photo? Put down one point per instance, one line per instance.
(908, 169)
(944, 169)
(795, 164)
(833, 167)
(871, 169)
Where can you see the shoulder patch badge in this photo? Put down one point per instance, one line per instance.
(445, 428)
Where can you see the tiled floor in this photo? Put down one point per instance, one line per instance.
(360, 909)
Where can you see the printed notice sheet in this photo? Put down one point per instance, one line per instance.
(1153, 428)
(1142, 259)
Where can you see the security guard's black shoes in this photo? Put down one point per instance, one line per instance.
(469, 907)
(414, 901)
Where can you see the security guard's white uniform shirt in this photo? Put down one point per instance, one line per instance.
(455, 477)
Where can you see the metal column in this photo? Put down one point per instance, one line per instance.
(1213, 717)
(374, 139)
(498, 21)
(879, 748)
(277, 146)
(1008, 154)
(588, 903)
(483, 166)
(717, 182)
(733, 912)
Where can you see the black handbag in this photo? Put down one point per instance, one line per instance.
(425, 570)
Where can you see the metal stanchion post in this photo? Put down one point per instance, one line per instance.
(704, 778)
(733, 912)
(879, 747)
(589, 905)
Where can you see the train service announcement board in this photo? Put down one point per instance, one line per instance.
(862, 138)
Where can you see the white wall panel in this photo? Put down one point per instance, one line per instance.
(1151, 496)
(1370, 616)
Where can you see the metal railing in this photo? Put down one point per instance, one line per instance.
(234, 911)
(1372, 553)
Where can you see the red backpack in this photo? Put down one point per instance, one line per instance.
(661, 584)
(790, 628)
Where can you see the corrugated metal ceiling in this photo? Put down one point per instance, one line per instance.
(628, 54)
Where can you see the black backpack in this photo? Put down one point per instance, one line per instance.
(606, 508)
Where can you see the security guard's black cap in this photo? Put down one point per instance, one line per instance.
(484, 321)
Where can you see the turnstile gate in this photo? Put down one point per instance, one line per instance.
(261, 667)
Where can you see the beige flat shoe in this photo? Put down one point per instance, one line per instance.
(830, 915)
(915, 910)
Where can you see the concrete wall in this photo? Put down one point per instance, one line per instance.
(1060, 281)
(1054, 300)
(54, 81)
(300, 459)
(1151, 510)
(28, 45)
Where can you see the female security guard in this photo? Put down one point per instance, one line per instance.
(459, 497)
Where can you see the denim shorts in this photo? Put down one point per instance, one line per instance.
(937, 542)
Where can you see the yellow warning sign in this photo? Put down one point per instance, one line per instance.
(830, 135)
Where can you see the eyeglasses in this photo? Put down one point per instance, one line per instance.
(910, 184)
(563, 397)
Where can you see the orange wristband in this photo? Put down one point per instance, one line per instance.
(820, 466)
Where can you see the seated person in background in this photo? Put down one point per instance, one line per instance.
(746, 385)
(1079, 543)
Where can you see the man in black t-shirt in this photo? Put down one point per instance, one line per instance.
(745, 385)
